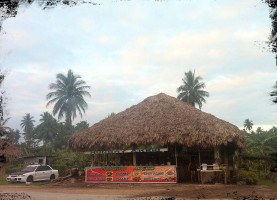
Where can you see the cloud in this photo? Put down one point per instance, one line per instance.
(130, 50)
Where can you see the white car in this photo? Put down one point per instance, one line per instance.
(34, 173)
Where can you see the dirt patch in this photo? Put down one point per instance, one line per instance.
(187, 191)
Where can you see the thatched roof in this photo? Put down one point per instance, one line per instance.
(8, 150)
(159, 119)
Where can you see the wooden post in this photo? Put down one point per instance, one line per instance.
(92, 159)
(199, 176)
(176, 159)
(199, 157)
(134, 158)
(217, 154)
(226, 161)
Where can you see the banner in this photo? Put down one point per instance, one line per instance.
(131, 174)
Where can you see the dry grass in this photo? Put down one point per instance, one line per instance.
(159, 119)
(8, 150)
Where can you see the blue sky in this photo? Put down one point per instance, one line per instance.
(129, 50)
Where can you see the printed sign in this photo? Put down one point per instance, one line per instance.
(131, 174)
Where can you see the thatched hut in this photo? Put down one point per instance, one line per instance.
(8, 151)
(164, 121)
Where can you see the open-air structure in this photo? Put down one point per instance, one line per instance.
(159, 132)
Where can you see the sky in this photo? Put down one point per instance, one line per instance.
(129, 50)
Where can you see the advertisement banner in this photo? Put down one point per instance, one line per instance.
(131, 174)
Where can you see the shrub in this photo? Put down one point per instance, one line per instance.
(14, 168)
(63, 169)
(249, 177)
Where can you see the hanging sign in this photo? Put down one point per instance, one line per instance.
(131, 174)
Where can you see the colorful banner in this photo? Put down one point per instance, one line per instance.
(131, 174)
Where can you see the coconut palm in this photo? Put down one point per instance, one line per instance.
(27, 123)
(68, 96)
(192, 90)
(81, 126)
(248, 124)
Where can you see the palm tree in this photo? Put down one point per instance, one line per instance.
(81, 126)
(47, 129)
(68, 96)
(192, 91)
(4, 129)
(248, 124)
(27, 123)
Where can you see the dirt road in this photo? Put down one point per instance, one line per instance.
(139, 191)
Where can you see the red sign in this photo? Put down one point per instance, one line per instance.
(131, 174)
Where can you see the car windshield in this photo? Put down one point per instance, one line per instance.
(28, 169)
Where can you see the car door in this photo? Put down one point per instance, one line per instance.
(48, 172)
(39, 173)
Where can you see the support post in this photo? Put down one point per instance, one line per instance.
(134, 158)
(226, 161)
(176, 159)
(199, 157)
(217, 155)
(92, 159)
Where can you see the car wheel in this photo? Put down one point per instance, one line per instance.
(30, 179)
(52, 177)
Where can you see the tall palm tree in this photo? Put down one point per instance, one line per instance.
(248, 124)
(192, 90)
(27, 123)
(68, 96)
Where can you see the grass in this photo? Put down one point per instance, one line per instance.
(268, 183)
(3, 180)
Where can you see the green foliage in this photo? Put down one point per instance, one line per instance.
(248, 124)
(110, 115)
(63, 134)
(271, 183)
(66, 160)
(192, 90)
(14, 168)
(27, 123)
(261, 146)
(81, 126)
(68, 96)
(249, 177)
(46, 131)
(13, 136)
